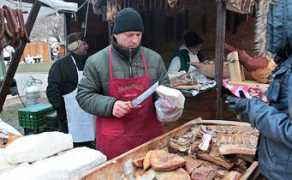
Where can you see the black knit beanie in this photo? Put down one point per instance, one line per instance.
(126, 20)
(192, 39)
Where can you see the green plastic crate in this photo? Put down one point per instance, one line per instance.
(33, 117)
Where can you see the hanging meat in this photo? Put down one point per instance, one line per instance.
(113, 6)
(13, 29)
(243, 6)
(259, 67)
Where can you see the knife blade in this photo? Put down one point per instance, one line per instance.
(138, 100)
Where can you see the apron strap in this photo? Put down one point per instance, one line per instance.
(110, 57)
(79, 73)
(144, 62)
(74, 61)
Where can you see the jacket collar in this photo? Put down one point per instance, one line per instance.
(80, 60)
(126, 53)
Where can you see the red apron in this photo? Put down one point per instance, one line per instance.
(115, 136)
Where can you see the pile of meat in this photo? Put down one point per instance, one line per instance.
(204, 152)
(181, 79)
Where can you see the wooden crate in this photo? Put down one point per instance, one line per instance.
(235, 68)
(113, 169)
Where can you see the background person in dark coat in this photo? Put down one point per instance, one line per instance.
(63, 76)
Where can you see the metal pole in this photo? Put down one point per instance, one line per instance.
(66, 32)
(219, 55)
(17, 55)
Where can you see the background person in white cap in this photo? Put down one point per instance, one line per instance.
(116, 75)
(63, 79)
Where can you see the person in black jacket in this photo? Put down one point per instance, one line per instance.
(63, 76)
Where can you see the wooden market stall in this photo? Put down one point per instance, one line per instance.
(203, 105)
(165, 24)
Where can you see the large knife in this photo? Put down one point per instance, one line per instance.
(138, 100)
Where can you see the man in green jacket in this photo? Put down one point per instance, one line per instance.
(112, 78)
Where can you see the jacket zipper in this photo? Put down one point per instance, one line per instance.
(130, 63)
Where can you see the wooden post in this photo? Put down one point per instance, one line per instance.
(18, 53)
(109, 28)
(219, 54)
(111, 4)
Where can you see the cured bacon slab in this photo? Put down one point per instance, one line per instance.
(192, 164)
(216, 160)
(236, 140)
(164, 161)
(203, 172)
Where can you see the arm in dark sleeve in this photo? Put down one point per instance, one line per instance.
(202, 56)
(54, 84)
(272, 123)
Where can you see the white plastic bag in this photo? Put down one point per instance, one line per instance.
(170, 104)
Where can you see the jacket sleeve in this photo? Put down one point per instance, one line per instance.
(162, 74)
(272, 123)
(54, 83)
(89, 91)
(202, 56)
(162, 77)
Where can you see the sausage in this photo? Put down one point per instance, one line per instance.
(9, 29)
(12, 18)
(11, 22)
(23, 32)
(19, 21)
(17, 27)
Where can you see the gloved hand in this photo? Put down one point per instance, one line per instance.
(236, 104)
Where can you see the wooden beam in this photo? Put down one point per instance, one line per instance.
(219, 54)
(26, 1)
(18, 53)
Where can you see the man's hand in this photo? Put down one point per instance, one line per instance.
(121, 108)
(236, 104)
